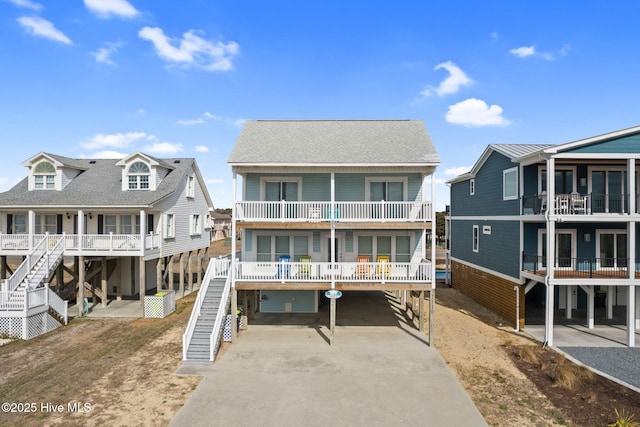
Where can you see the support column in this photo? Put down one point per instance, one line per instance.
(181, 290)
(80, 297)
(421, 308)
(591, 297)
(610, 293)
(171, 285)
(142, 274)
(332, 321)
(631, 314)
(551, 252)
(159, 274)
(103, 280)
(234, 296)
(190, 271)
(569, 297)
(432, 307)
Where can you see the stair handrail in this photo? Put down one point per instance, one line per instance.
(53, 257)
(216, 332)
(24, 269)
(57, 304)
(216, 268)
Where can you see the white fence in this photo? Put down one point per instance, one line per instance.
(365, 272)
(336, 211)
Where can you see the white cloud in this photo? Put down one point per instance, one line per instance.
(118, 140)
(140, 111)
(190, 122)
(103, 54)
(191, 50)
(494, 35)
(523, 51)
(109, 8)
(458, 170)
(202, 149)
(457, 79)
(163, 148)
(475, 112)
(26, 4)
(43, 28)
(214, 181)
(208, 115)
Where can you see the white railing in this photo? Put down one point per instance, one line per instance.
(58, 305)
(337, 211)
(216, 332)
(218, 267)
(24, 269)
(26, 299)
(84, 242)
(364, 272)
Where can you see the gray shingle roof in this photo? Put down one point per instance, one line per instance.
(99, 184)
(290, 142)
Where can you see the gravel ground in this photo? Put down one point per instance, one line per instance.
(622, 363)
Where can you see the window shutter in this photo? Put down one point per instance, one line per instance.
(9, 224)
(100, 224)
(59, 224)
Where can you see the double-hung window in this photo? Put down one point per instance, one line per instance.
(195, 224)
(169, 226)
(476, 238)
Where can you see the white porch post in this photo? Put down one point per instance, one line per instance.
(332, 251)
(143, 231)
(631, 184)
(32, 227)
(234, 295)
(631, 314)
(551, 251)
(591, 296)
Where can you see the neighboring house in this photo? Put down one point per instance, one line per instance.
(221, 226)
(113, 225)
(509, 222)
(331, 204)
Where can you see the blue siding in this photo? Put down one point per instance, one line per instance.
(627, 144)
(488, 191)
(274, 301)
(498, 251)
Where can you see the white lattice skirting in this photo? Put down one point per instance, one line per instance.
(29, 327)
(160, 305)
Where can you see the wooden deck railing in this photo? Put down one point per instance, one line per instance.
(337, 211)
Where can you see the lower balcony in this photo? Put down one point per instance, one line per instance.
(345, 275)
(580, 267)
(76, 244)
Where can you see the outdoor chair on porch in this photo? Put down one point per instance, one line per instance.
(363, 269)
(304, 269)
(384, 266)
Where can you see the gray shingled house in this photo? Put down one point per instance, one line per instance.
(112, 225)
(341, 205)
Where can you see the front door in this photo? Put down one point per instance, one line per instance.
(331, 249)
(565, 248)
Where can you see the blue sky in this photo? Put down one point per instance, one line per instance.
(105, 78)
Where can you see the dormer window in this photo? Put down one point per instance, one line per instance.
(44, 176)
(138, 176)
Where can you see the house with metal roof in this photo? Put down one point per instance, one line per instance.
(100, 229)
(331, 205)
(547, 233)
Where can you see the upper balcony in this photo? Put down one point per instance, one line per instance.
(578, 204)
(85, 244)
(405, 214)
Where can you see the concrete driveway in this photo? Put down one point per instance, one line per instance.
(377, 374)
